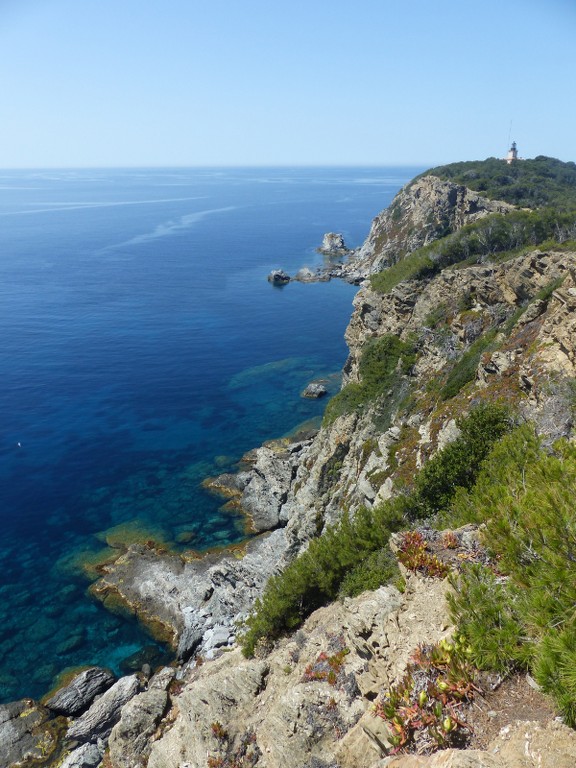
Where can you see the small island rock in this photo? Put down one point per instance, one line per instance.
(278, 277)
(333, 244)
(315, 390)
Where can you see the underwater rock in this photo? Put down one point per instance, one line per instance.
(150, 655)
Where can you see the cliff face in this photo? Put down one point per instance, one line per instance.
(424, 210)
(514, 326)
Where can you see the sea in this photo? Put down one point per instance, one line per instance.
(143, 350)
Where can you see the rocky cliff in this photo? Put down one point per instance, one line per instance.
(476, 332)
(426, 209)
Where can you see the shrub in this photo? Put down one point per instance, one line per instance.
(314, 578)
(484, 608)
(526, 498)
(352, 556)
(465, 369)
(382, 361)
(555, 669)
(377, 568)
(457, 465)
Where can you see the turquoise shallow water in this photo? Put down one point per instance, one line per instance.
(142, 350)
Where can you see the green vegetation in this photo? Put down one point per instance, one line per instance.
(314, 578)
(423, 706)
(492, 238)
(465, 369)
(526, 183)
(457, 465)
(523, 615)
(383, 360)
(353, 555)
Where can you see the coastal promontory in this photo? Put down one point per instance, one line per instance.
(406, 597)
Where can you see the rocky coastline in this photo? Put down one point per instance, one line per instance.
(289, 491)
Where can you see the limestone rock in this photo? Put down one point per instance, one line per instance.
(315, 389)
(534, 745)
(333, 244)
(23, 735)
(278, 277)
(448, 758)
(81, 691)
(519, 745)
(278, 705)
(86, 756)
(99, 720)
(129, 742)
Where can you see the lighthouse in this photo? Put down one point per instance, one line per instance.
(512, 154)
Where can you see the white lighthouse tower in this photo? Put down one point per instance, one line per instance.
(512, 154)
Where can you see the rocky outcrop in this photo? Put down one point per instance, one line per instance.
(25, 733)
(333, 244)
(519, 745)
(293, 488)
(426, 209)
(131, 738)
(282, 707)
(80, 692)
(99, 720)
(279, 709)
(86, 756)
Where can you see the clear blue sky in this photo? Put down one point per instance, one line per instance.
(265, 82)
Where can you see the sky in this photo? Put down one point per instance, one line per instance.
(123, 83)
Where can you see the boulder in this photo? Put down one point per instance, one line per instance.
(104, 713)
(278, 277)
(78, 695)
(314, 390)
(130, 742)
(86, 756)
(22, 735)
(333, 244)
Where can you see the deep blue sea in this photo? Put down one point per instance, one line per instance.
(142, 349)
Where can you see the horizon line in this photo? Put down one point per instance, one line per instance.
(411, 164)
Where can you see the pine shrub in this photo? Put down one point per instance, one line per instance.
(353, 555)
(525, 615)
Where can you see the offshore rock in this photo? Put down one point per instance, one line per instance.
(315, 390)
(99, 720)
(81, 691)
(333, 244)
(278, 277)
